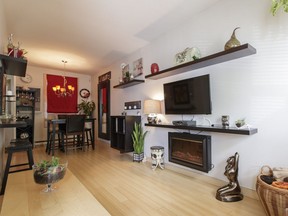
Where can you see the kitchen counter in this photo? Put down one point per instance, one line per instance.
(13, 124)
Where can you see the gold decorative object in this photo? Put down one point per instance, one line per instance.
(233, 42)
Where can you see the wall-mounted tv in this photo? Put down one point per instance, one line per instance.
(13, 66)
(189, 96)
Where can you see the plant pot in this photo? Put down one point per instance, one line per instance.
(138, 157)
(126, 79)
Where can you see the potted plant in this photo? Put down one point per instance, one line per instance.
(87, 107)
(240, 122)
(138, 137)
(49, 172)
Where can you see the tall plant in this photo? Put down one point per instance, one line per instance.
(276, 4)
(138, 137)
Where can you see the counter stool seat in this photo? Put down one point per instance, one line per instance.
(17, 146)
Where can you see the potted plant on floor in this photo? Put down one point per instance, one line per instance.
(87, 107)
(138, 137)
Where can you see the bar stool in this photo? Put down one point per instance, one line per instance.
(17, 146)
(157, 156)
(51, 145)
(89, 138)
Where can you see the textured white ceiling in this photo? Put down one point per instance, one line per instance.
(92, 34)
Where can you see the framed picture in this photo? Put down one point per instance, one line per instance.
(137, 67)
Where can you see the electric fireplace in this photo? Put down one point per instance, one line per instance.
(190, 150)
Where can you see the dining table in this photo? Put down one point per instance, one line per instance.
(56, 122)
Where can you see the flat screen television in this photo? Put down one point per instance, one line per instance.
(189, 96)
(13, 66)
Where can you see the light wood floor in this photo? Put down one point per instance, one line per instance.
(127, 188)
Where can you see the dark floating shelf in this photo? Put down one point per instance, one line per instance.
(218, 129)
(224, 56)
(128, 84)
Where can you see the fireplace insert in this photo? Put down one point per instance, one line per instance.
(190, 150)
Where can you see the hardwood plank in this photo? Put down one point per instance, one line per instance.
(69, 198)
(127, 188)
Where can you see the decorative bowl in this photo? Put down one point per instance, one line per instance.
(49, 174)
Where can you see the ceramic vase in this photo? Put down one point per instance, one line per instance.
(233, 42)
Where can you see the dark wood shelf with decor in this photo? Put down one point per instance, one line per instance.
(224, 56)
(129, 83)
(11, 58)
(25, 111)
(216, 128)
(121, 130)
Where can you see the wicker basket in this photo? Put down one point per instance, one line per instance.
(274, 200)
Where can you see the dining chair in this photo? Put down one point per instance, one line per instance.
(75, 127)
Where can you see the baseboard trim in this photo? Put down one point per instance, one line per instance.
(208, 179)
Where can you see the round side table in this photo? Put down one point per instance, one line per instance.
(157, 156)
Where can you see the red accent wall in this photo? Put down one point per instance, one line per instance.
(57, 104)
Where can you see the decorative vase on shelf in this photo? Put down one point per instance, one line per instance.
(154, 68)
(225, 121)
(233, 42)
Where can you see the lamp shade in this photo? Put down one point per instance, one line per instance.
(152, 106)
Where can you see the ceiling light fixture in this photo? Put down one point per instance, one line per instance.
(64, 90)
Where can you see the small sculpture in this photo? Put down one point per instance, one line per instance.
(233, 42)
(225, 121)
(232, 191)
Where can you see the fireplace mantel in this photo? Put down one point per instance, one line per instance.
(215, 128)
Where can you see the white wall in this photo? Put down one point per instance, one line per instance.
(254, 87)
(3, 34)
(38, 81)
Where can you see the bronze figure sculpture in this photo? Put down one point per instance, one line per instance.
(232, 191)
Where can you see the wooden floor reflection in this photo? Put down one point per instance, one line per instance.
(127, 188)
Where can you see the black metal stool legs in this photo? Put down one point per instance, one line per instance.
(12, 148)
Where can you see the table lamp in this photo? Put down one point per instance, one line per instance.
(152, 108)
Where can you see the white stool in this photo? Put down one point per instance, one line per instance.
(157, 156)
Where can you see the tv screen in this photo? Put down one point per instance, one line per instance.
(190, 96)
(13, 66)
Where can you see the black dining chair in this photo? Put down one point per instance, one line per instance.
(75, 127)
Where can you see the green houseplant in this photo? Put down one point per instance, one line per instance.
(138, 137)
(87, 107)
(277, 4)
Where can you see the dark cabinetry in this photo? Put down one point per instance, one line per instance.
(25, 111)
(121, 130)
